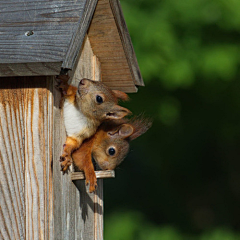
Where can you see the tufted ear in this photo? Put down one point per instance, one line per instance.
(120, 95)
(140, 125)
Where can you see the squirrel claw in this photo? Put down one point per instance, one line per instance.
(92, 181)
(62, 168)
(62, 78)
(65, 163)
(93, 187)
(64, 156)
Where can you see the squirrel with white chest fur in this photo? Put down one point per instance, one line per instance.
(85, 107)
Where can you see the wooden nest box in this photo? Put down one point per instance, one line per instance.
(38, 39)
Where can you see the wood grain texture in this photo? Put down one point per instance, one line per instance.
(99, 174)
(87, 65)
(38, 157)
(12, 165)
(29, 69)
(75, 45)
(89, 224)
(107, 43)
(52, 24)
(98, 211)
(86, 220)
(126, 41)
(25, 132)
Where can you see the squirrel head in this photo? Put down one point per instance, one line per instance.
(112, 140)
(98, 102)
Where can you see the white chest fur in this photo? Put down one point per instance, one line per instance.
(75, 121)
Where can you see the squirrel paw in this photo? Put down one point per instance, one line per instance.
(62, 79)
(62, 83)
(65, 163)
(92, 181)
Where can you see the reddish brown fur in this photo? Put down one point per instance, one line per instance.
(86, 165)
(71, 93)
(85, 98)
(121, 95)
(68, 91)
(68, 147)
(112, 133)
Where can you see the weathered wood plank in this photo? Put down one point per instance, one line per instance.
(29, 69)
(72, 54)
(126, 41)
(99, 174)
(84, 67)
(25, 132)
(92, 211)
(96, 69)
(87, 212)
(12, 198)
(29, 11)
(51, 25)
(38, 157)
(98, 211)
(106, 41)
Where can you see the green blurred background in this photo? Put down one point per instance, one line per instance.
(181, 179)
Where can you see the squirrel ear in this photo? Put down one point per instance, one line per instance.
(117, 112)
(120, 95)
(126, 130)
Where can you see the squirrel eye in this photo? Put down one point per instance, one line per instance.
(111, 151)
(99, 99)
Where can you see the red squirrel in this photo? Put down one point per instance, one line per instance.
(108, 147)
(84, 108)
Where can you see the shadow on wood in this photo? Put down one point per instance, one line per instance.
(87, 199)
(91, 205)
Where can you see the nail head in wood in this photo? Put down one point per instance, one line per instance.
(29, 33)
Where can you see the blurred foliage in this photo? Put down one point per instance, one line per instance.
(181, 179)
(131, 225)
(180, 41)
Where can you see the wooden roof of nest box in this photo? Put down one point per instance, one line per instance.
(41, 37)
